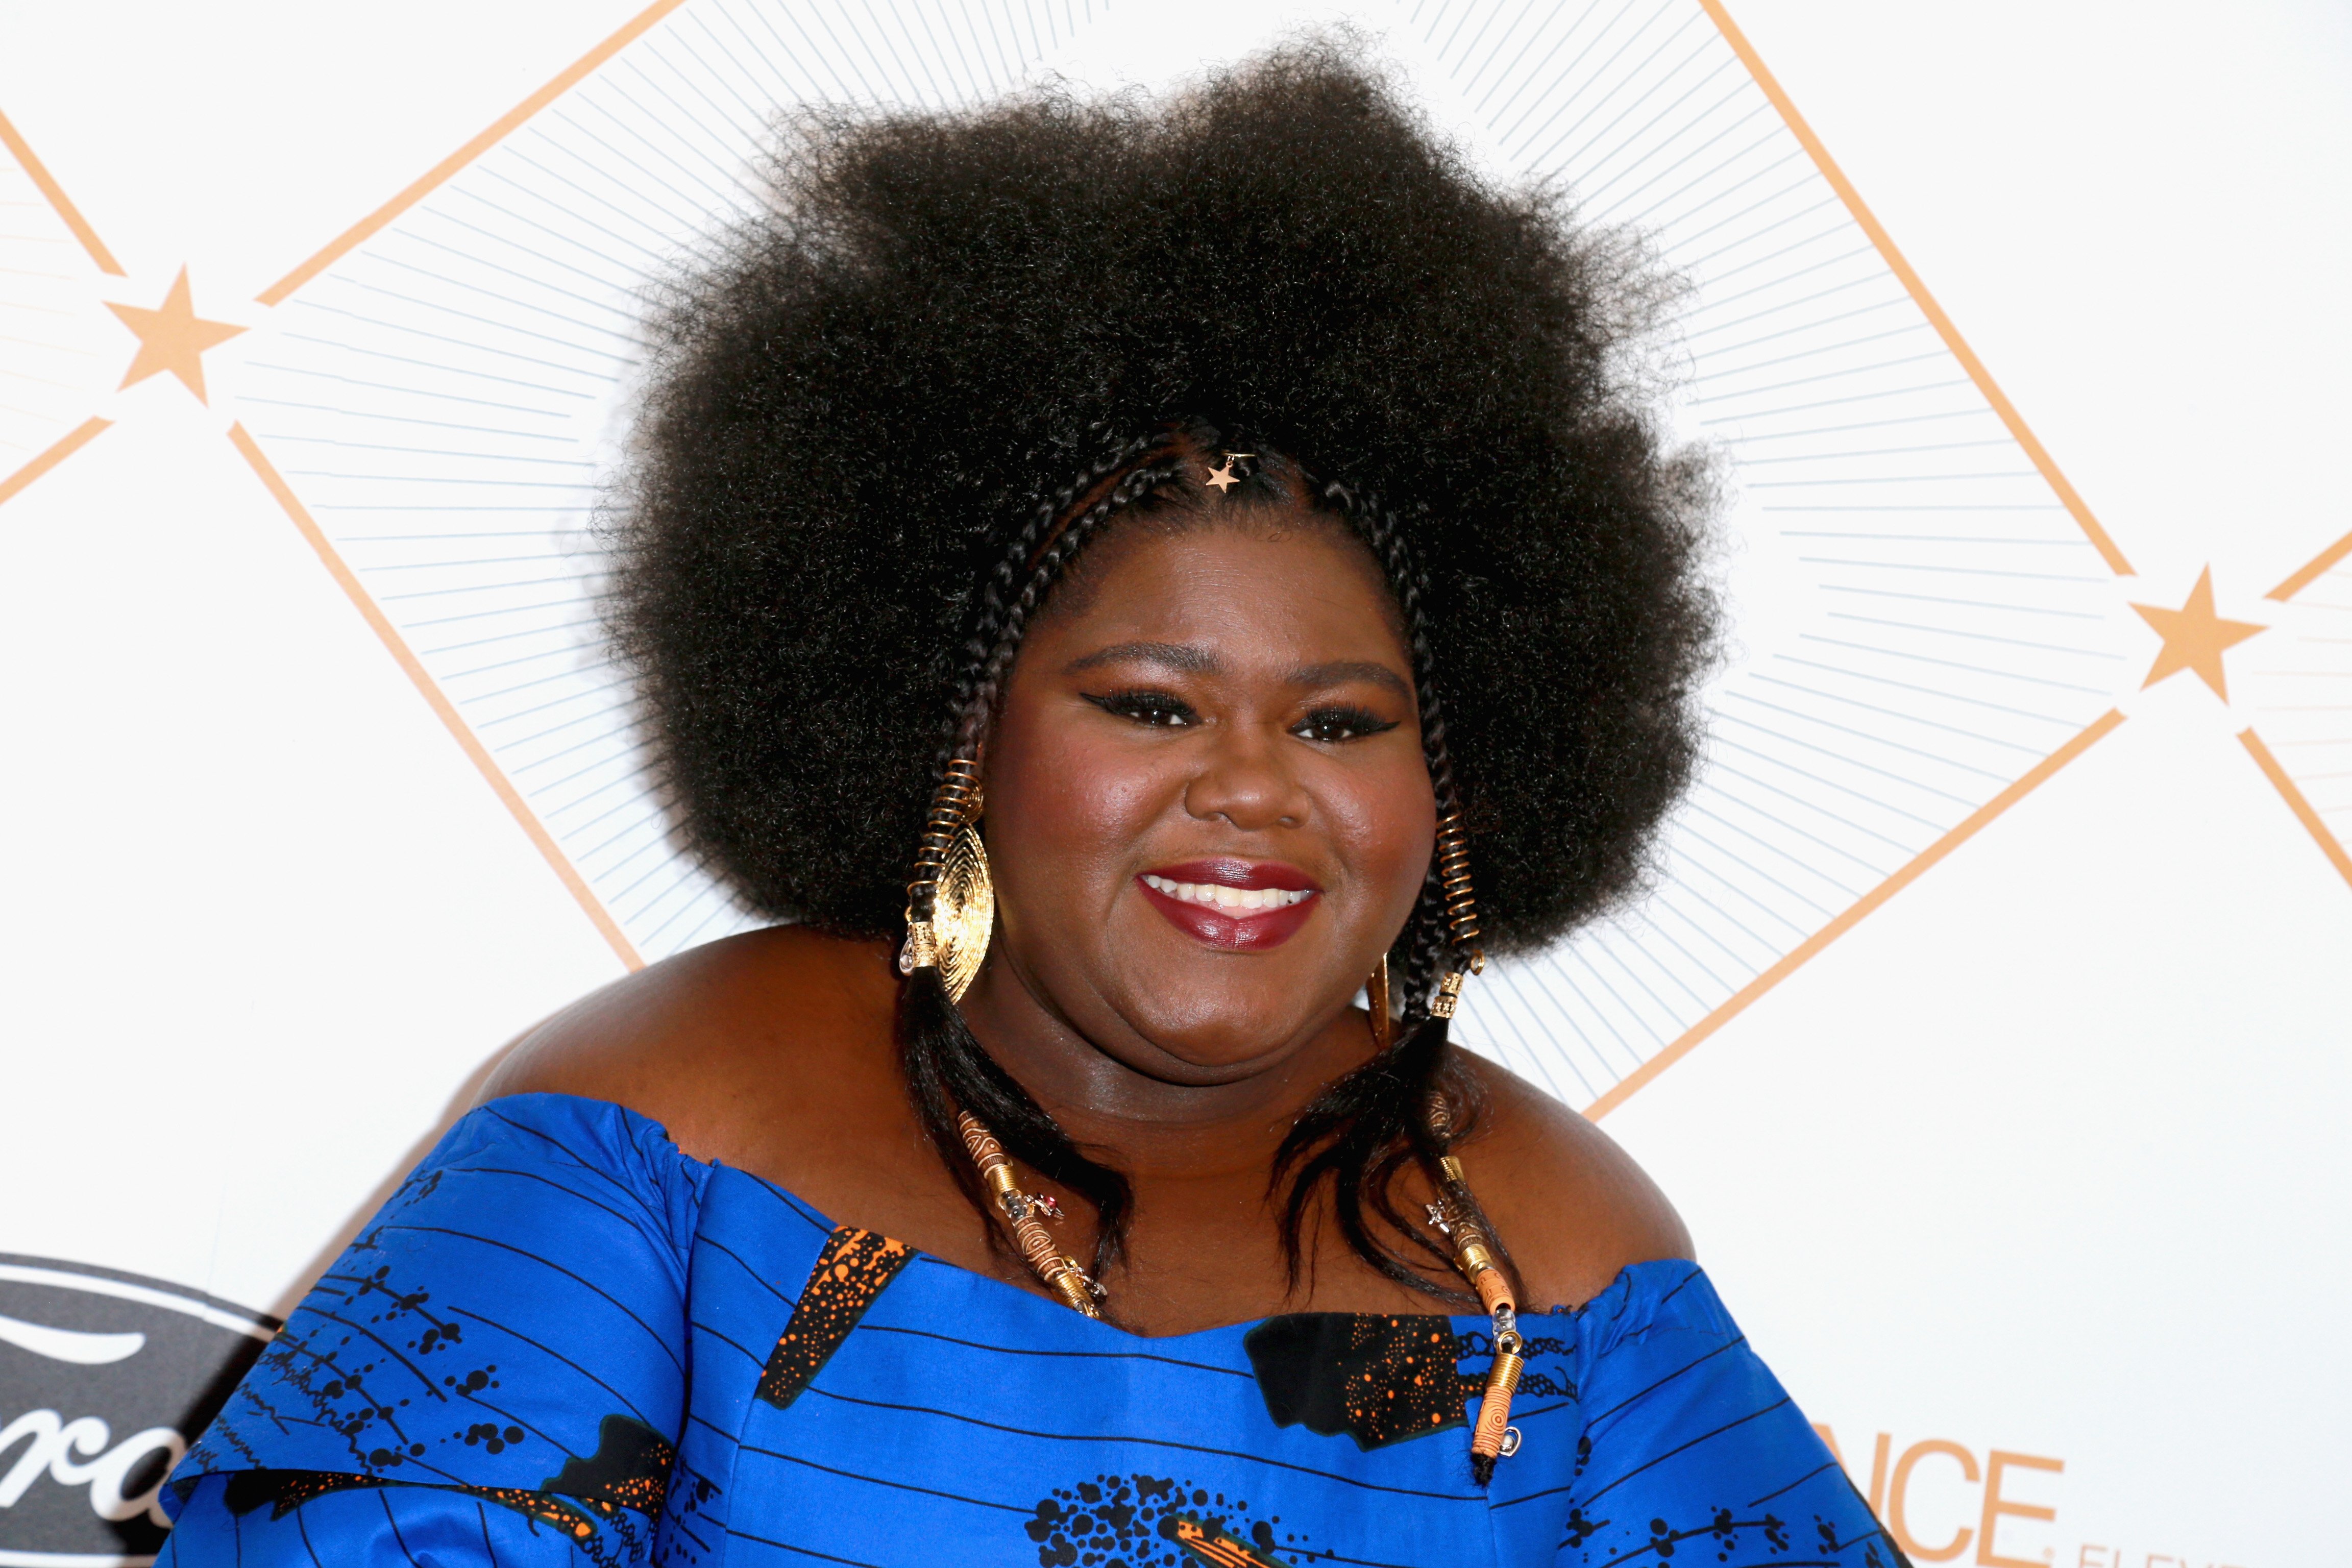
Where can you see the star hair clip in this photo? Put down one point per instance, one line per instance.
(1224, 478)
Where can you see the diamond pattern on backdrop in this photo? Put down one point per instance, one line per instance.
(2299, 688)
(64, 352)
(1943, 627)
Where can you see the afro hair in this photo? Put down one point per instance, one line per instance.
(941, 319)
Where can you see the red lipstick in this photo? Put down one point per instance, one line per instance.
(1237, 929)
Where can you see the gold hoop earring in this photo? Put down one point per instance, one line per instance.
(1376, 997)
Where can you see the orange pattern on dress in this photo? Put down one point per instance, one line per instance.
(851, 1269)
(1215, 1546)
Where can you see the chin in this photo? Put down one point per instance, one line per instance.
(1219, 1041)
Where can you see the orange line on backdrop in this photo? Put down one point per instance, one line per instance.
(360, 232)
(2328, 843)
(40, 175)
(1805, 951)
(63, 447)
(434, 696)
(1911, 281)
(2311, 572)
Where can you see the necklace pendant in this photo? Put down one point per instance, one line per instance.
(1437, 1217)
(1047, 1204)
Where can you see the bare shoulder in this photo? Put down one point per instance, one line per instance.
(729, 1047)
(1572, 1206)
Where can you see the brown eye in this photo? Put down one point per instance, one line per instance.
(1156, 709)
(1331, 725)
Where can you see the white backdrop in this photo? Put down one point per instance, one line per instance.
(1987, 1021)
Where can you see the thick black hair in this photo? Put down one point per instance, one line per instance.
(956, 346)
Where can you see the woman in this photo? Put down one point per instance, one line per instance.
(1220, 546)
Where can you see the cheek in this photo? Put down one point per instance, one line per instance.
(1385, 824)
(1074, 803)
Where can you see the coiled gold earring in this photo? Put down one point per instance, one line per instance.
(1461, 913)
(953, 864)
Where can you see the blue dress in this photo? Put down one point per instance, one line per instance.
(562, 1342)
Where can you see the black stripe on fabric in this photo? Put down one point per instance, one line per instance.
(807, 1216)
(1084, 1355)
(672, 1520)
(1529, 1415)
(1661, 1459)
(702, 1328)
(1595, 1420)
(803, 1551)
(557, 1443)
(1792, 1486)
(717, 1246)
(424, 1378)
(557, 1355)
(450, 1477)
(294, 1342)
(1878, 1529)
(301, 1530)
(1694, 1443)
(483, 1514)
(492, 1111)
(1152, 1442)
(397, 1539)
(558, 1268)
(884, 1481)
(629, 1220)
(1678, 1288)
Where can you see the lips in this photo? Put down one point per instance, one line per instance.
(1240, 906)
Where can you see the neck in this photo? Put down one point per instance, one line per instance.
(1155, 1111)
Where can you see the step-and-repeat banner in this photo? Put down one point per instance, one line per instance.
(1982, 1016)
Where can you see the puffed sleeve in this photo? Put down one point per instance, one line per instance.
(1688, 1438)
(494, 1372)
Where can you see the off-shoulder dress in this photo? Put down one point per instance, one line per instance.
(564, 1341)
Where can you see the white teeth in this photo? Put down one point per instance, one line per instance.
(1219, 897)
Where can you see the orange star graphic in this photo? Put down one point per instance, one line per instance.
(174, 337)
(2194, 638)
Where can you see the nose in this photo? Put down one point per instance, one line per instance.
(1244, 778)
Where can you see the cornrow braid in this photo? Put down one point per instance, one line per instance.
(948, 1070)
(970, 705)
(1362, 1131)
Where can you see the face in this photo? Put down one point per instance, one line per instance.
(1208, 813)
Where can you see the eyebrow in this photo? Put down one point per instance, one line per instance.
(1172, 655)
(1345, 669)
(1201, 661)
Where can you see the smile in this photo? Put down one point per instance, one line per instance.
(1235, 905)
(1215, 895)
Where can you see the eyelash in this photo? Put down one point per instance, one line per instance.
(1156, 709)
(1357, 723)
(1160, 711)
